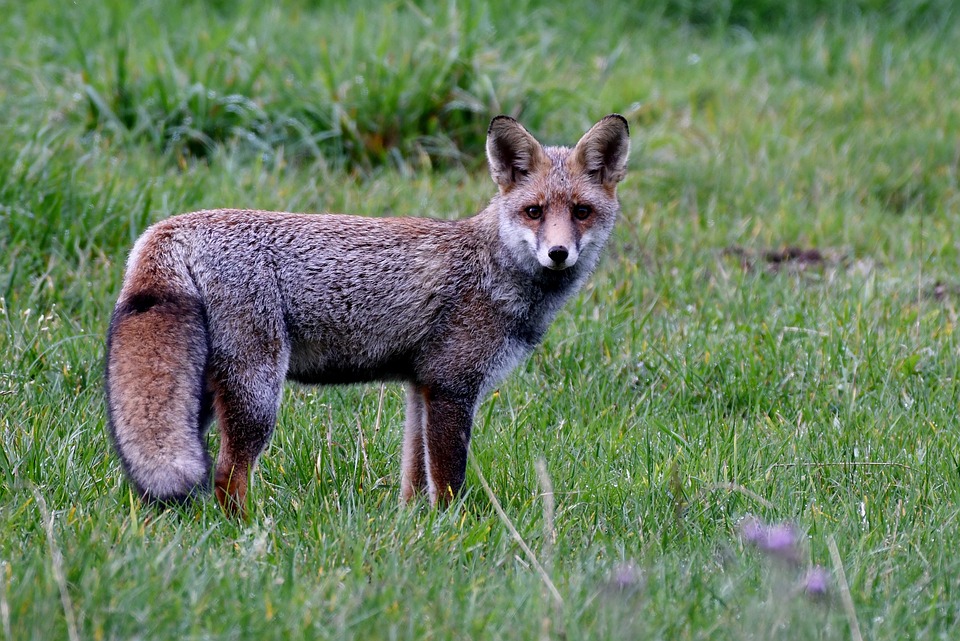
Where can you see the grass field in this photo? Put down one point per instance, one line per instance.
(771, 335)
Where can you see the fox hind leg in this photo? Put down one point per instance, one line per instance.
(413, 474)
(246, 409)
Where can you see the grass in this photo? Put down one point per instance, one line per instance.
(695, 381)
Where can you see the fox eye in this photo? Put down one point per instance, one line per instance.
(582, 212)
(534, 212)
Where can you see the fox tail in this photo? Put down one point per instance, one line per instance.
(158, 399)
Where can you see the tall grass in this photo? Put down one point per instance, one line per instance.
(385, 84)
(356, 86)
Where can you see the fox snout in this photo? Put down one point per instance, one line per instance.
(558, 257)
(558, 254)
(557, 238)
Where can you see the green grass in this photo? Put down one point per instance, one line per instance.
(691, 384)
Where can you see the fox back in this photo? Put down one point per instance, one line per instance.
(219, 307)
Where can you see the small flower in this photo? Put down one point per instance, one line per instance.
(625, 578)
(816, 583)
(780, 541)
(751, 529)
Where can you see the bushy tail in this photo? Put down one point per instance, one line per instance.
(157, 397)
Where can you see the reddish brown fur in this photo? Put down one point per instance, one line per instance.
(219, 307)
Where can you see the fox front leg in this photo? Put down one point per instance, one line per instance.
(448, 421)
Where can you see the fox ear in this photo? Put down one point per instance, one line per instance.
(512, 152)
(603, 151)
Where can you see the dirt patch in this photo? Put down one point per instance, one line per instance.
(796, 255)
(941, 291)
(788, 259)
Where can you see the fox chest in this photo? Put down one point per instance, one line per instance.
(513, 351)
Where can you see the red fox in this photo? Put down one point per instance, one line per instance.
(219, 307)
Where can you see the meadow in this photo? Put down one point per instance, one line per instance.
(770, 339)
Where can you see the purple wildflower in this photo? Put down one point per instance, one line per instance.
(751, 529)
(816, 583)
(625, 578)
(780, 541)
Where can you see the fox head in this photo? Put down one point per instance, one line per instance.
(557, 205)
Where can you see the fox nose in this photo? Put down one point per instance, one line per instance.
(558, 254)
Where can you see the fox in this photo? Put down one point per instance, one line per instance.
(218, 308)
